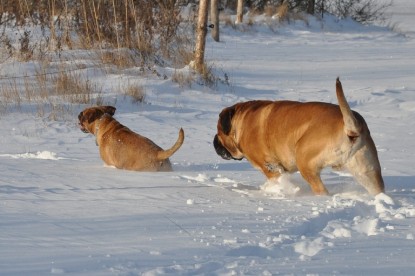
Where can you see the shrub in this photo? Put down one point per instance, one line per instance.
(363, 11)
(135, 92)
(183, 79)
(150, 28)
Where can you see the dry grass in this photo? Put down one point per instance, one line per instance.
(283, 12)
(183, 79)
(136, 93)
(73, 88)
(148, 27)
(49, 95)
(119, 35)
(227, 19)
(207, 76)
(10, 95)
(270, 10)
(183, 54)
(121, 59)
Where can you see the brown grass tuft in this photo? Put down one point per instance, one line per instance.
(283, 12)
(183, 79)
(74, 88)
(137, 93)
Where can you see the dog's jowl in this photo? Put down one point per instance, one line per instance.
(122, 148)
(280, 137)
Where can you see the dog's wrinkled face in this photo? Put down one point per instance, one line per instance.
(89, 115)
(224, 142)
(220, 149)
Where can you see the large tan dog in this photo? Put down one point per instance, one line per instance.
(288, 136)
(121, 147)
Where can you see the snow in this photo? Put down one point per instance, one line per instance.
(47, 155)
(63, 212)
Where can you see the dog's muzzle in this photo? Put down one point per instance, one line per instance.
(221, 150)
(80, 120)
(82, 128)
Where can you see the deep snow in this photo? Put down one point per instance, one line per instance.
(63, 212)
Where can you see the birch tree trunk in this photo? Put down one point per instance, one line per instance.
(239, 11)
(214, 17)
(199, 58)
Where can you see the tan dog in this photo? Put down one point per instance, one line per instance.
(287, 136)
(121, 147)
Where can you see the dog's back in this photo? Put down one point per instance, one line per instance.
(125, 149)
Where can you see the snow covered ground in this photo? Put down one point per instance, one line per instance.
(63, 212)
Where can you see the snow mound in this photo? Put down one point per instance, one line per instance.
(281, 186)
(44, 155)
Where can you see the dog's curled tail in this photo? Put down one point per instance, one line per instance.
(352, 126)
(164, 154)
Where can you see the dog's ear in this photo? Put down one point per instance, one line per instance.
(90, 117)
(225, 119)
(109, 110)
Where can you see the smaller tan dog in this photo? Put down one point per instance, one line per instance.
(122, 148)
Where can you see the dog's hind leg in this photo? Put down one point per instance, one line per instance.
(314, 180)
(311, 174)
(309, 163)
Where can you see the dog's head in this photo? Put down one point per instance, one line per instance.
(88, 117)
(225, 140)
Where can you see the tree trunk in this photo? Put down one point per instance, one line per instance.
(201, 36)
(214, 17)
(239, 11)
(310, 6)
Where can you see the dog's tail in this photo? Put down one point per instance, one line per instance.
(164, 154)
(351, 125)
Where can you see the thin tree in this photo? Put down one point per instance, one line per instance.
(214, 17)
(310, 6)
(199, 59)
(239, 11)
